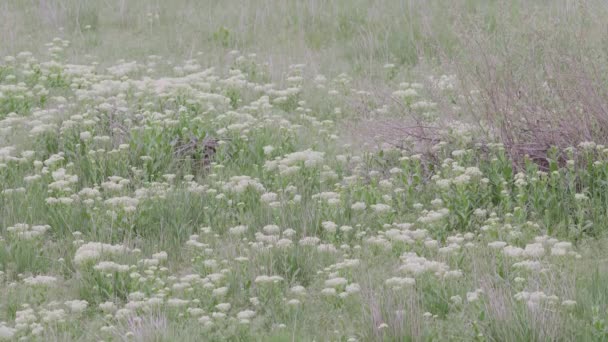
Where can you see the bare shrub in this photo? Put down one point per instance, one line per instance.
(538, 83)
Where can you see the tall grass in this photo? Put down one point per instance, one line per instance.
(252, 201)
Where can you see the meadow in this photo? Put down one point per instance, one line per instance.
(303, 170)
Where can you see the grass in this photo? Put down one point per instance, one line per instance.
(296, 171)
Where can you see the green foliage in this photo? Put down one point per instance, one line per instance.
(201, 194)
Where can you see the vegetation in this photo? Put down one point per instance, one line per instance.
(303, 170)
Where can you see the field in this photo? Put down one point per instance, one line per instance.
(348, 170)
